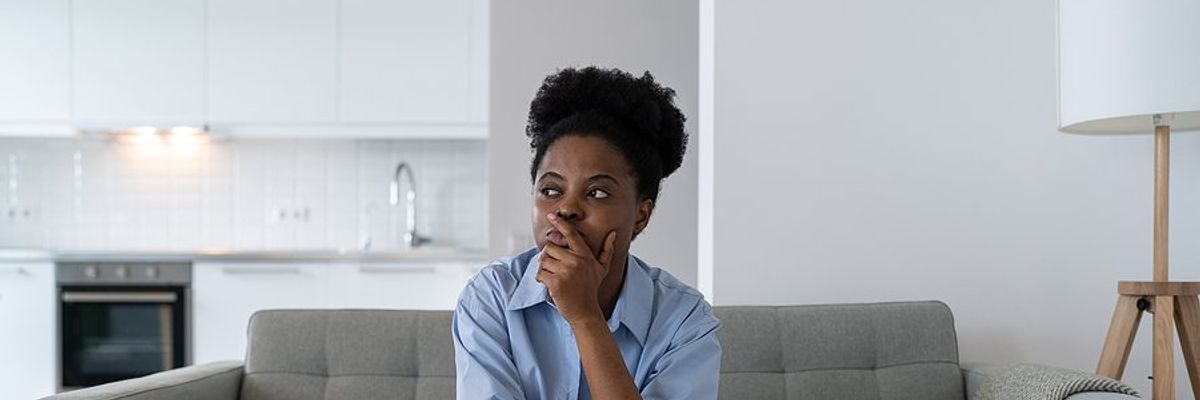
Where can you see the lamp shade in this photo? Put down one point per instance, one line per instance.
(1120, 62)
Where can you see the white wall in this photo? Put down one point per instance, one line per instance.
(532, 39)
(879, 150)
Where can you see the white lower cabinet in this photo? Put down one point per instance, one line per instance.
(407, 286)
(226, 294)
(27, 349)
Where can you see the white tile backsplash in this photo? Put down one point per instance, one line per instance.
(87, 194)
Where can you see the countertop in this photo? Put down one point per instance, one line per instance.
(209, 255)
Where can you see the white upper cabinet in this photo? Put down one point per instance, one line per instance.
(246, 68)
(405, 61)
(34, 67)
(138, 62)
(272, 61)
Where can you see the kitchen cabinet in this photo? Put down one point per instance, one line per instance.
(405, 61)
(400, 285)
(272, 62)
(138, 62)
(27, 307)
(246, 68)
(350, 68)
(226, 294)
(34, 67)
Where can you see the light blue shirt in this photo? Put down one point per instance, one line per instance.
(510, 342)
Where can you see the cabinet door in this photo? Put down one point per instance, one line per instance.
(138, 62)
(405, 61)
(34, 64)
(227, 294)
(27, 367)
(272, 61)
(424, 285)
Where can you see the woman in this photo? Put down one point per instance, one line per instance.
(578, 316)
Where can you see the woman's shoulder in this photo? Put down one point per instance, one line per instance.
(680, 311)
(666, 284)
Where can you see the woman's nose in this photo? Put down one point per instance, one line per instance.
(568, 212)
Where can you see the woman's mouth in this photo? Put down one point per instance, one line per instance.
(556, 237)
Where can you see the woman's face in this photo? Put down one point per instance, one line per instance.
(588, 183)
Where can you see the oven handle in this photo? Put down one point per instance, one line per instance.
(119, 297)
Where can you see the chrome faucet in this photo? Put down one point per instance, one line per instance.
(411, 238)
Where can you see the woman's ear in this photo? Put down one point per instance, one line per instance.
(644, 209)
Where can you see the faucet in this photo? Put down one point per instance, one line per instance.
(411, 238)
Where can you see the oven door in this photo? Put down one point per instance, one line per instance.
(111, 334)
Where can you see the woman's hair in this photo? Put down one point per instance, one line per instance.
(637, 116)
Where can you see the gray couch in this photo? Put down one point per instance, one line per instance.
(843, 352)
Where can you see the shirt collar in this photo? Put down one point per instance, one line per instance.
(633, 304)
(529, 291)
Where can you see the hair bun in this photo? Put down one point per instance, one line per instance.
(640, 105)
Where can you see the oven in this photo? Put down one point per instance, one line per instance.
(121, 320)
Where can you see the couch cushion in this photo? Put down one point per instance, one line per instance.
(886, 351)
(349, 354)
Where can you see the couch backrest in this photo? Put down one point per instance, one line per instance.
(349, 354)
(889, 351)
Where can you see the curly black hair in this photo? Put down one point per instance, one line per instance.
(636, 115)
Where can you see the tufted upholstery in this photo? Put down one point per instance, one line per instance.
(889, 351)
(349, 354)
(851, 352)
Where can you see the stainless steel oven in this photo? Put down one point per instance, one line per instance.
(121, 320)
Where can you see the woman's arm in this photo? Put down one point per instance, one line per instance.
(573, 275)
(602, 362)
(690, 369)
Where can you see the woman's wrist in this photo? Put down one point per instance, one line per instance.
(591, 320)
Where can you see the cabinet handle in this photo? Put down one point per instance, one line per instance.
(261, 270)
(17, 271)
(366, 269)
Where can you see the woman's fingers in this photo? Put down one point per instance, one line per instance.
(607, 251)
(556, 259)
(552, 252)
(574, 240)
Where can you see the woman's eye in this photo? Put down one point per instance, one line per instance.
(549, 192)
(598, 193)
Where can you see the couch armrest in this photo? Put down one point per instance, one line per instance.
(974, 375)
(218, 381)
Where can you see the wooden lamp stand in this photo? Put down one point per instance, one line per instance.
(1174, 304)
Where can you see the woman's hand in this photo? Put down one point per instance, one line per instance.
(573, 274)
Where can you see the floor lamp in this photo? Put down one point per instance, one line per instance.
(1133, 66)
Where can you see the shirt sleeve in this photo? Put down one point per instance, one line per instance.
(691, 367)
(482, 353)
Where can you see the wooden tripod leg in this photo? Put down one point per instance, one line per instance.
(1187, 315)
(1164, 348)
(1120, 337)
